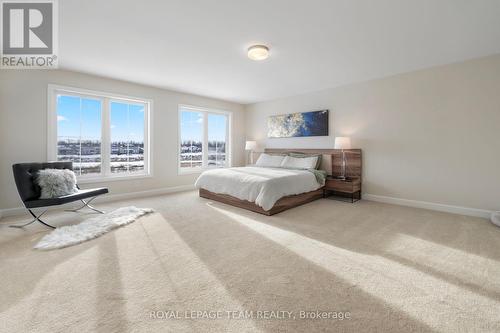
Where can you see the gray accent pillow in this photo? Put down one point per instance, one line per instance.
(56, 183)
(297, 154)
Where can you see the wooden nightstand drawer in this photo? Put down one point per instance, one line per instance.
(343, 185)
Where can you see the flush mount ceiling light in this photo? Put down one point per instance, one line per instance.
(258, 52)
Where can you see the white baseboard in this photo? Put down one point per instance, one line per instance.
(430, 205)
(371, 197)
(108, 198)
(13, 211)
(142, 194)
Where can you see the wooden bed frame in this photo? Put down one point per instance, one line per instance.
(332, 157)
(280, 205)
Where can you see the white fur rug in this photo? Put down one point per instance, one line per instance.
(495, 218)
(91, 228)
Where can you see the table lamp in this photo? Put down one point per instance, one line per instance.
(251, 145)
(343, 142)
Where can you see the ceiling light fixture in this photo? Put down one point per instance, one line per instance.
(258, 52)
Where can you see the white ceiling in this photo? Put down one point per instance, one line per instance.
(200, 46)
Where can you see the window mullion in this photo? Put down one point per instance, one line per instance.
(205, 139)
(145, 149)
(227, 146)
(53, 138)
(106, 138)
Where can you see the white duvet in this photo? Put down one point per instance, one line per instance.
(263, 186)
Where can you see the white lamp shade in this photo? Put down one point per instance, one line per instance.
(250, 145)
(342, 142)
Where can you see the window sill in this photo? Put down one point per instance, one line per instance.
(198, 170)
(190, 172)
(105, 179)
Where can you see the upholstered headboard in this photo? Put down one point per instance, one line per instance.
(332, 159)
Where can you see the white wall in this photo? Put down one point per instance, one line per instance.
(23, 126)
(431, 135)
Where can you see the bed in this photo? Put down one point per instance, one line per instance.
(266, 190)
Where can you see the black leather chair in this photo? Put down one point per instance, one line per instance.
(29, 191)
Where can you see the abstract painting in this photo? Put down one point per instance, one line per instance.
(314, 123)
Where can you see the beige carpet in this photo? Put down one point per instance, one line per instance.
(394, 269)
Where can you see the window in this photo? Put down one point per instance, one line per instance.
(204, 139)
(79, 133)
(105, 136)
(217, 134)
(127, 137)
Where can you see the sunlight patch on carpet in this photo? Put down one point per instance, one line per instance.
(91, 228)
(403, 287)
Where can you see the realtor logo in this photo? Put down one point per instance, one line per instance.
(29, 32)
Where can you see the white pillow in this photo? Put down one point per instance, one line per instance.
(270, 161)
(290, 162)
(56, 183)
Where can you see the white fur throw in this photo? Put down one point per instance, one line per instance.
(495, 218)
(56, 183)
(91, 228)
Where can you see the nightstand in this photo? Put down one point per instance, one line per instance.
(350, 187)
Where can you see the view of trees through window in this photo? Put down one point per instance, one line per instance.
(127, 137)
(191, 155)
(217, 128)
(192, 129)
(79, 134)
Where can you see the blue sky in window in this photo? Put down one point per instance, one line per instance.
(127, 122)
(77, 116)
(192, 126)
(216, 127)
(82, 116)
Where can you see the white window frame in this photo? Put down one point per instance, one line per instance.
(106, 99)
(229, 136)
